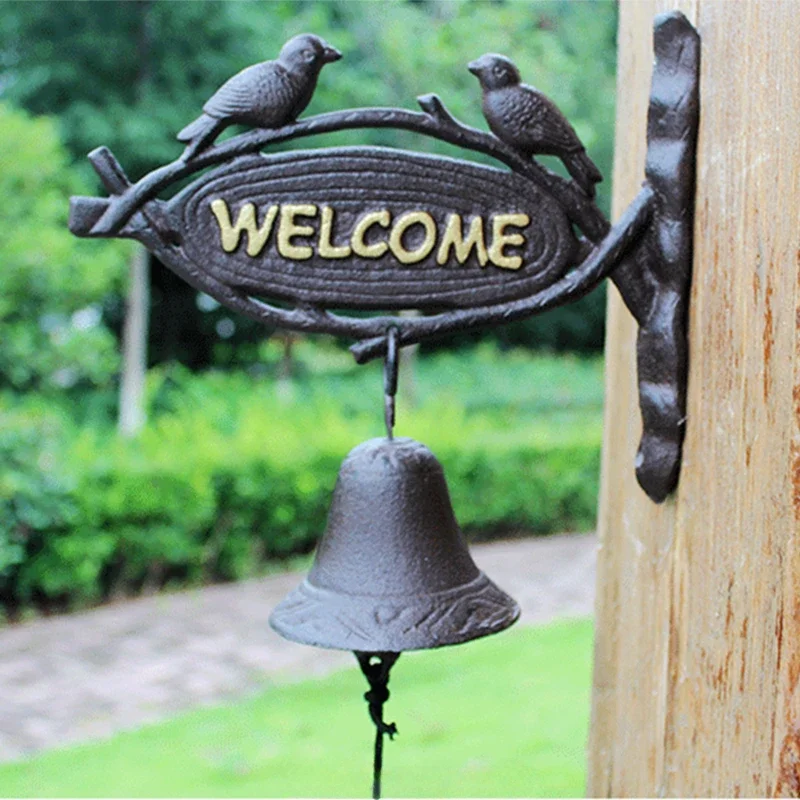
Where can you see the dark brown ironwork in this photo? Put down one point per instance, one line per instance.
(267, 95)
(390, 373)
(343, 262)
(475, 246)
(392, 571)
(367, 228)
(530, 122)
(376, 668)
(662, 268)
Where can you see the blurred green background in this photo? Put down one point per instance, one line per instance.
(244, 428)
(86, 514)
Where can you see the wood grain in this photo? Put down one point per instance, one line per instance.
(697, 655)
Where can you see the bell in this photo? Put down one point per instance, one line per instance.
(392, 571)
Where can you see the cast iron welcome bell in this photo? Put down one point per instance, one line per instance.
(369, 228)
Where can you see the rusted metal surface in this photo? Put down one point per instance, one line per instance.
(476, 246)
(392, 570)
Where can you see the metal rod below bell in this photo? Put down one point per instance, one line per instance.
(376, 668)
(392, 571)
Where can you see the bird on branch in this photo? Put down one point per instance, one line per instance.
(267, 95)
(528, 121)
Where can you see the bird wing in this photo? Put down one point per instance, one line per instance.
(284, 100)
(237, 96)
(541, 122)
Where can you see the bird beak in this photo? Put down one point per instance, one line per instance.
(330, 54)
(474, 67)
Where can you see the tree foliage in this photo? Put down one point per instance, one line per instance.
(51, 285)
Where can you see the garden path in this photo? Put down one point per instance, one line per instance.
(87, 675)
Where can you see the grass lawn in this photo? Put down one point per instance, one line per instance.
(506, 716)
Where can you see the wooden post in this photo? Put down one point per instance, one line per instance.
(697, 655)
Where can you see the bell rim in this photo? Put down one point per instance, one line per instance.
(320, 617)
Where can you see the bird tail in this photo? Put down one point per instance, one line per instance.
(583, 170)
(199, 134)
(196, 128)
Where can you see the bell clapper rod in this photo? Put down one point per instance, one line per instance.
(376, 668)
(390, 369)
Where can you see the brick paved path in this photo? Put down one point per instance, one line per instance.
(87, 675)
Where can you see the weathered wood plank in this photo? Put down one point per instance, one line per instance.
(698, 610)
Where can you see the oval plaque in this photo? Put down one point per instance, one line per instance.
(372, 228)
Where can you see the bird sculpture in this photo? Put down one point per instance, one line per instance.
(267, 95)
(531, 123)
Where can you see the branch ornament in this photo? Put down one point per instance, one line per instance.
(368, 228)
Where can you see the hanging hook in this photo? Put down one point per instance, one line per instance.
(390, 369)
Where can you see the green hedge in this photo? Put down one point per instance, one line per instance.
(229, 476)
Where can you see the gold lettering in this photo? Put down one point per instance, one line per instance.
(454, 243)
(401, 226)
(288, 228)
(326, 249)
(360, 247)
(453, 238)
(246, 221)
(500, 239)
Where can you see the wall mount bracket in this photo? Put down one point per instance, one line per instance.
(465, 283)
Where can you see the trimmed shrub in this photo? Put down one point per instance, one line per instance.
(229, 476)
